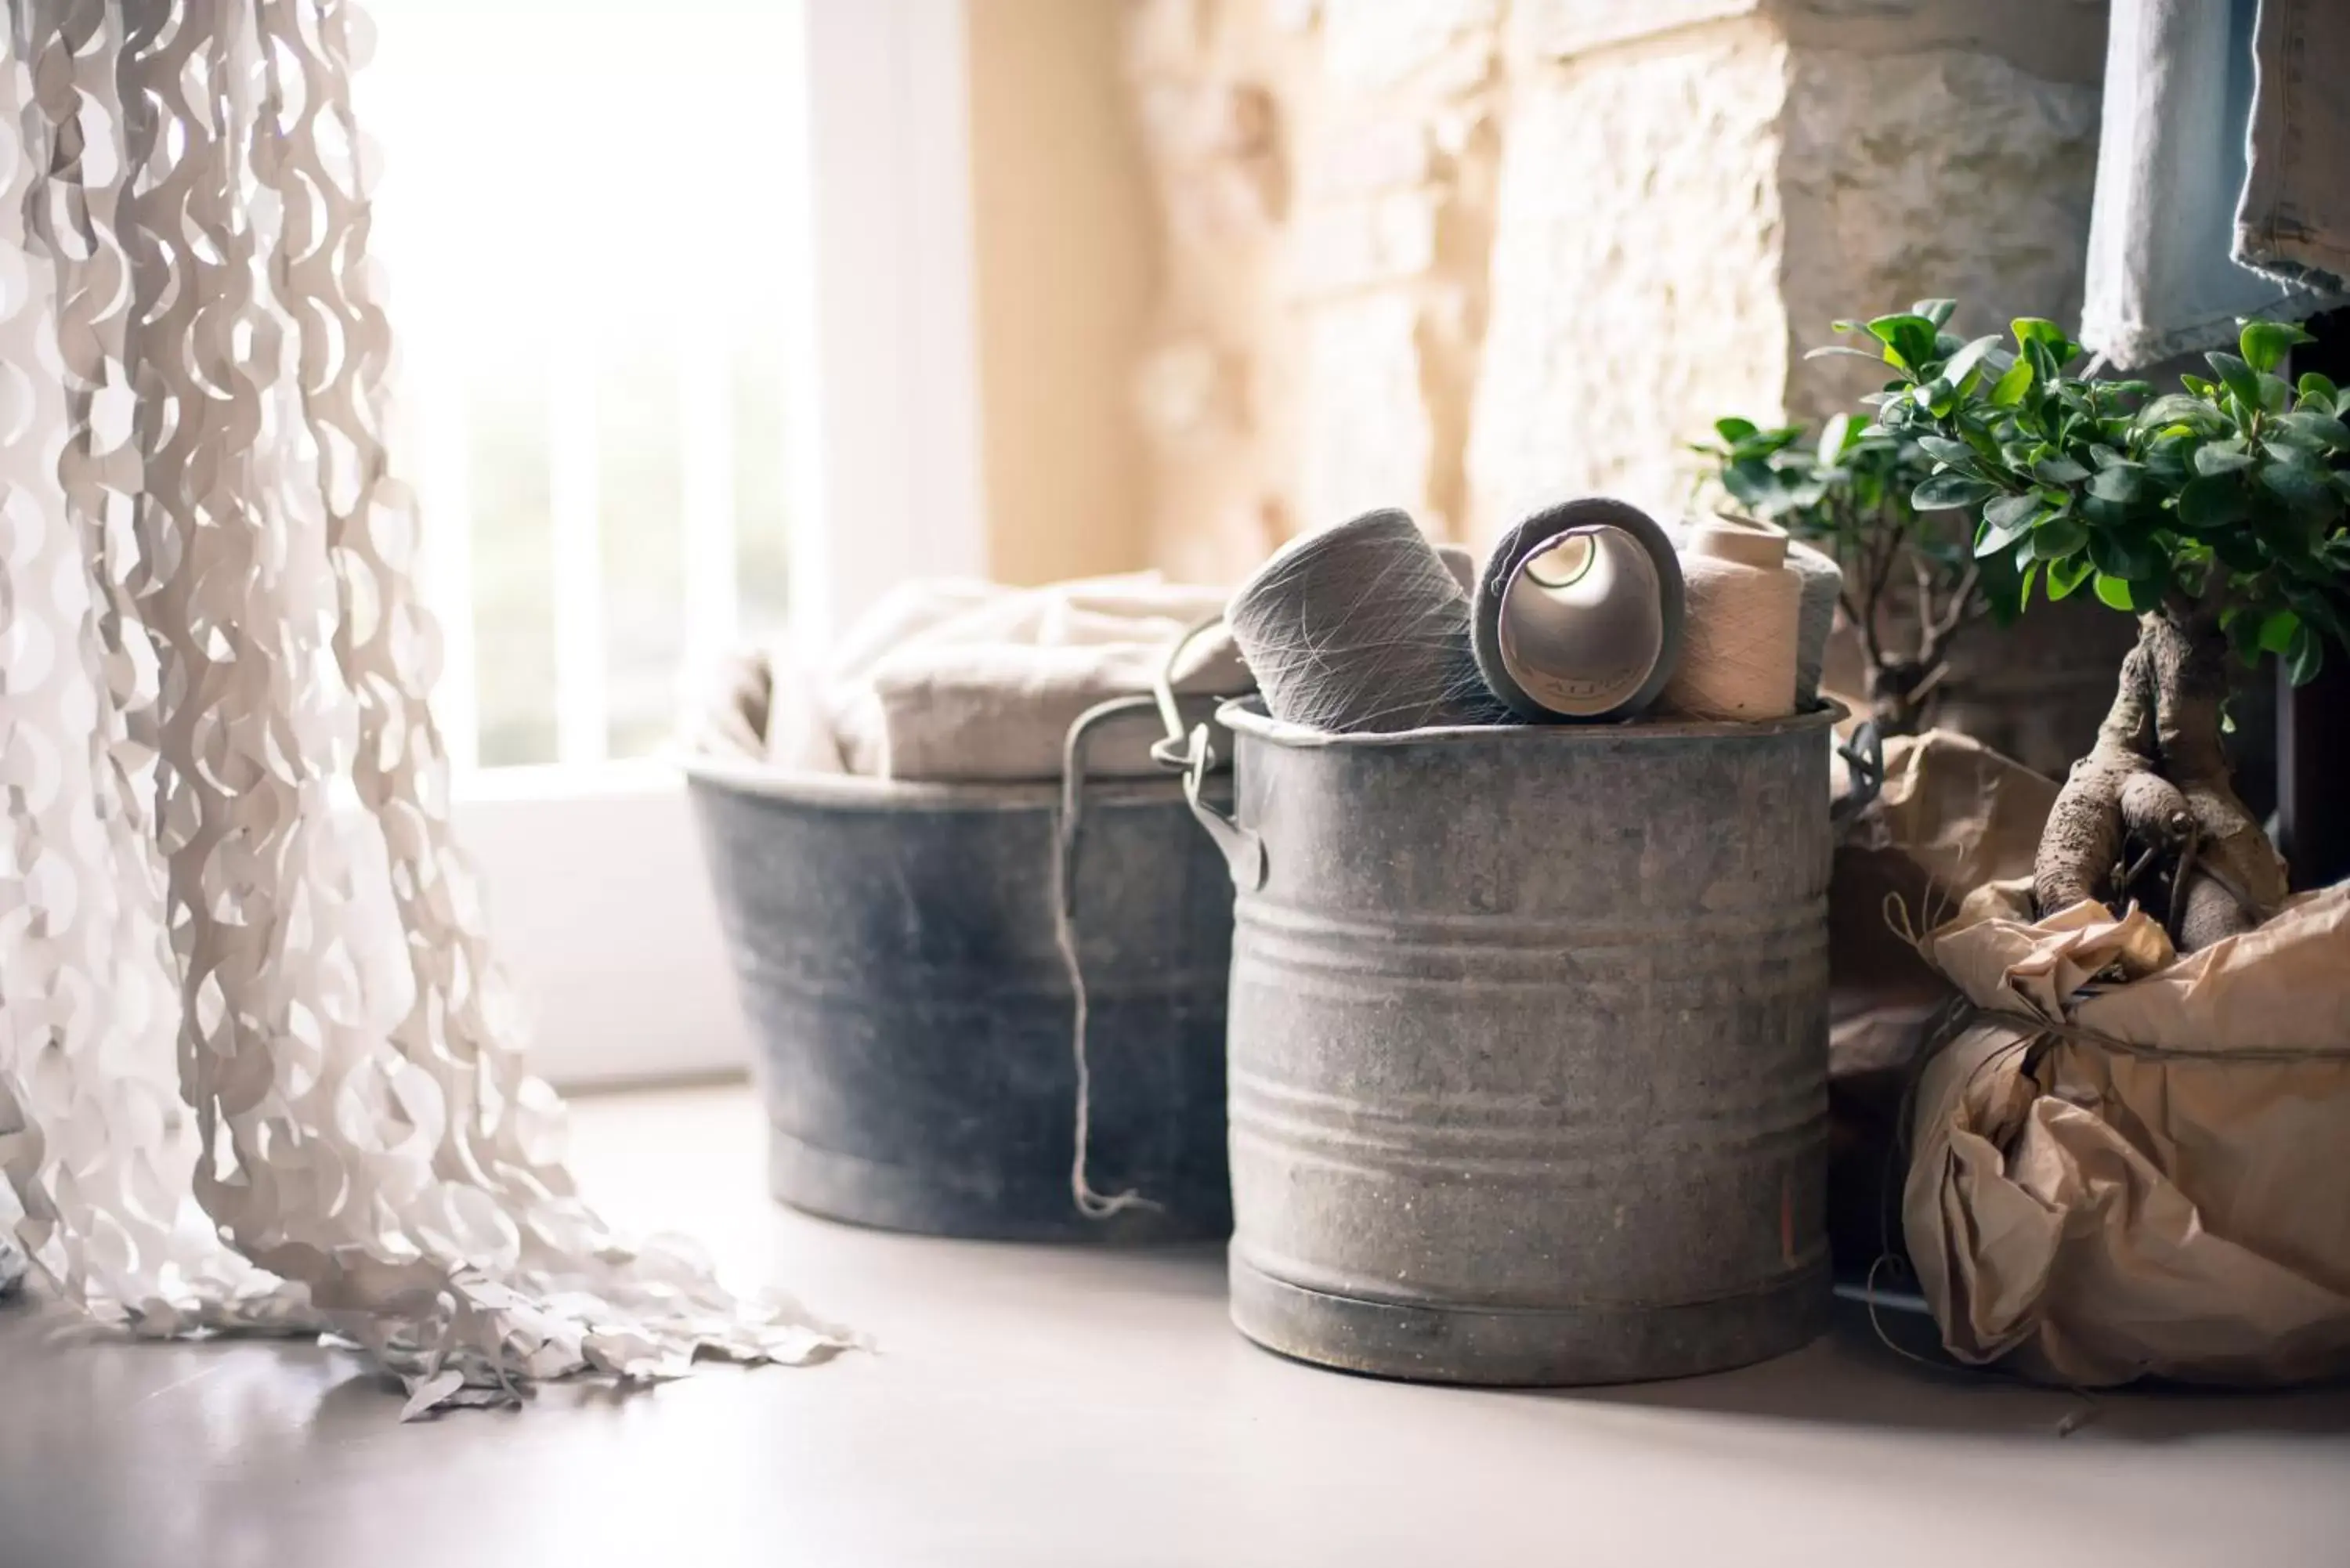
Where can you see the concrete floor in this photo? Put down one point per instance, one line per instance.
(1034, 1407)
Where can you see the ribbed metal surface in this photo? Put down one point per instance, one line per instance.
(895, 953)
(1528, 1048)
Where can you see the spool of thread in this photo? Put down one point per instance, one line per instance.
(1361, 627)
(1823, 586)
(1578, 614)
(1741, 640)
(1462, 561)
(1823, 582)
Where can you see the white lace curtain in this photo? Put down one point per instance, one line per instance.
(255, 1069)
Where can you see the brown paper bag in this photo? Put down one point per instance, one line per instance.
(1952, 814)
(2160, 1184)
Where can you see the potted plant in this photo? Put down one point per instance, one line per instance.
(2213, 514)
(1847, 494)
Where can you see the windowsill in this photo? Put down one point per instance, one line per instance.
(1028, 1405)
(601, 917)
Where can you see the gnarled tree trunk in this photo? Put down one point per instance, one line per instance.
(2150, 814)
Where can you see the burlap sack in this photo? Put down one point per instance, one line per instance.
(2159, 1184)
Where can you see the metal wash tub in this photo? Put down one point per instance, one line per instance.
(1528, 1046)
(894, 944)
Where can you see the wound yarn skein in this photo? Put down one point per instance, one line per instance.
(1822, 581)
(1743, 625)
(1361, 627)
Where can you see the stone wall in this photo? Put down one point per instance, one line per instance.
(1463, 255)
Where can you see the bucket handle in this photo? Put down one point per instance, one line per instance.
(1864, 755)
(1092, 1203)
(1194, 754)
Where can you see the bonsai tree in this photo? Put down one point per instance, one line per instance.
(2213, 514)
(1848, 494)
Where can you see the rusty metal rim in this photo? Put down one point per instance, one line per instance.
(1246, 716)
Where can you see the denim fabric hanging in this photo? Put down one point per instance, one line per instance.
(2180, 244)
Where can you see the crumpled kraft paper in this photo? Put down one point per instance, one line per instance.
(1952, 814)
(2171, 1200)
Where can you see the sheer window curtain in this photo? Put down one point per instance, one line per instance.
(255, 1070)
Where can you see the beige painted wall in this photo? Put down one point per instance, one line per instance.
(1067, 250)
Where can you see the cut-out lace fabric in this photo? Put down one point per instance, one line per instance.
(255, 1068)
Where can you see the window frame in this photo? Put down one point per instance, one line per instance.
(599, 901)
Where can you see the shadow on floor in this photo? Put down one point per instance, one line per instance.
(1852, 1377)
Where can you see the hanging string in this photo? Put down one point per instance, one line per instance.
(1091, 1204)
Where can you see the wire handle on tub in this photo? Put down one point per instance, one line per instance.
(1194, 754)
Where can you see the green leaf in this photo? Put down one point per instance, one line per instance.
(2023, 599)
(1835, 436)
(2030, 329)
(2065, 576)
(2197, 384)
(2059, 537)
(1942, 449)
(2239, 550)
(1937, 311)
(2059, 470)
(2305, 658)
(2302, 485)
(1961, 364)
(2166, 459)
(1824, 350)
(2274, 393)
(2241, 380)
(2178, 409)
(2223, 457)
(1908, 339)
(2010, 389)
(1734, 431)
(2012, 511)
(2211, 501)
(2318, 432)
(2264, 343)
(2118, 482)
(2114, 592)
(1944, 490)
(2277, 632)
(2318, 391)
(1752, 483)
(2243, 634)
(2119, 554)
(1992, 543)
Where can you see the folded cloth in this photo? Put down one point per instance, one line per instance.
(971, 681)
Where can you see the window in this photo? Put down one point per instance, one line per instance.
(682, 297)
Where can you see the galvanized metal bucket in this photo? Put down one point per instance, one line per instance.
(1528, 1046)
(895, 947)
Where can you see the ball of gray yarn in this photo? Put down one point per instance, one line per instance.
(1359, 627)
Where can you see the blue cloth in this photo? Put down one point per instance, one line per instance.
(2222, 173)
